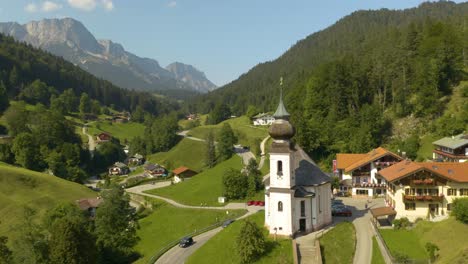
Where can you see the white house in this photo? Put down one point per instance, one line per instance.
(298, 193)
(425, 189)
(263, 119)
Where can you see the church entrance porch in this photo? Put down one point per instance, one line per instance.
(302, 225)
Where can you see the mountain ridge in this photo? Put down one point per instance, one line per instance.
(106, 59)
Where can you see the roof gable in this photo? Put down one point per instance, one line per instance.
(370, 157)
(343, 160)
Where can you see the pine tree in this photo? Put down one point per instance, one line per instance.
(4, 103)
(85, 105)
(250, 242)
(226, 142)
(210, 150)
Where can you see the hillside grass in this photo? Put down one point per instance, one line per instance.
(187, 152)
(377, 257)
(242, 127)
(168, 223)
(338, 244)
(124, 131)
(222, 247)
(426, 147)
(203, 188)
(21, 187)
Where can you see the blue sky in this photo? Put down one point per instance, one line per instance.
(222, 38)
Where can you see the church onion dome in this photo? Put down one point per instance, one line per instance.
(281, 130)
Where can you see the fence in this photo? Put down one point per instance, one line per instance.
(172, 244)
(393, 259)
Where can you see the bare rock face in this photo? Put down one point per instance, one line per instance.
(71, 40)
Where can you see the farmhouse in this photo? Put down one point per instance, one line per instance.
(90, 205)
(183, 172)
(297, 192)
(118, 168)
(452, 149)
(425, 189)
(136, 160)
(103, 137)
(358, 172)
(263, 119)
(155, 170)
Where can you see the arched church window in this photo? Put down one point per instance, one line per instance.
(280, 167)
(280, 206)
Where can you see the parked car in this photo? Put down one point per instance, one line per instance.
(259, 203)
(249, 203)
(185, 242)
(341, 211)
(227, 222)
(337, 202)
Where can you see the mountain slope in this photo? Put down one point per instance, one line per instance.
(41, 192)
(191, 76)
(344, 84)
(71, 40)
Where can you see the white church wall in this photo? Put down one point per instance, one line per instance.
(282, 221)
(285, 181)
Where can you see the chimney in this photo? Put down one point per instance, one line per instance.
(403, 154)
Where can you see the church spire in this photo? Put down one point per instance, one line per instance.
(281, 112)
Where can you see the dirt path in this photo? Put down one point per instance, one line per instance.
(91, 142)
(263, 154)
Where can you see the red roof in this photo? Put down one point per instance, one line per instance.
(453, 171)
(371, 156)
(181, 170)
(343, 160)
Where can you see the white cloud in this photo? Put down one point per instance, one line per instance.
(172, 3)
(86, 5)
(49, 6)
(31, 8)
(108, 5)
(90, 5)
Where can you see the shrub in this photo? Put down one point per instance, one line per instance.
(401, 258)
(460, 209)
(250, 242)
(401, 223)
(432, 250)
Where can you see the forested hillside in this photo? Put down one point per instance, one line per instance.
(347, 84)
(22, 64)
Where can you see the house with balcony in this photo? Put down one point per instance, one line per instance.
(424, 189)
(358, 172)
(451, 149)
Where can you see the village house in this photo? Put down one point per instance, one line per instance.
(425, 189)
(182, 173)
(90, 205)
(136, 160)
(119, 168)
(155, 170)
(263, 119)
(297, 192)
(103, 137)
(358, 172)
(451, 149)
(192, 117)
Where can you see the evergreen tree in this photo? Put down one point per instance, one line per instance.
(116, 227)
(85, 105)
(254, 177)
(26, 151)
(4, 103)
(250, 242)
(226, 142)
(210, 150)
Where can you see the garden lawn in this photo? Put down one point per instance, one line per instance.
(187, 152)
(404, 242)
(242, 127)
(125, 131)
(222, 247)
(21, 187)
(203, 188)
(377, 257)
(338, 245)
(168, 223)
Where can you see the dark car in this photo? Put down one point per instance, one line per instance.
(341, 211)
(227, 222)
(185, 242)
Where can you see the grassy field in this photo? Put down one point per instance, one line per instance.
(404, 241)
(20, 187)
(187, 152)
(377, 257)
(242, 127)
(338, 244)
(222, 247)
(203, 188)
(168, 223)
(125, 131)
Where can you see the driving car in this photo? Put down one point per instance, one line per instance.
(185, 242)
(341, 211)
(227, 222)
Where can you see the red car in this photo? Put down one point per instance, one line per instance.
(249, 203)
(261, 203)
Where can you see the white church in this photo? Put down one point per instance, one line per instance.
(297, 192)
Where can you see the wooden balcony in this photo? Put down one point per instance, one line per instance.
(423, 182)
(370, 185)
(423, 198)
(450, 155)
